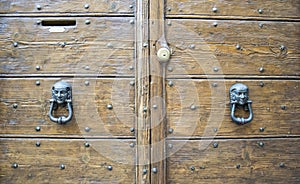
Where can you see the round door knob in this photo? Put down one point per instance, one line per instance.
(163, 54)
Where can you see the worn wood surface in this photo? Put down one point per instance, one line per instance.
(82, 164)
(235, 8)
(143, 135)
(275, 108)
(234, 161)
(103, 47)
(66, 6)
(199, 47)
(89, 106)
(157, 104)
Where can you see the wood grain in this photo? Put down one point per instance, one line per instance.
(143, 135)
(103, 47)
(275, 108)
(157, 92)
(270, 8)
(82, 164)
(199, 47)
(66, 6)
(89, 106)
(234, 161)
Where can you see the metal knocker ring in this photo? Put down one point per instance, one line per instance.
(61, 95)
(239, 96)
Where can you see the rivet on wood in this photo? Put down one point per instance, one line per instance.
(109, 106)
(86, 144)
(131, 145)
(154, 170)
(215, 130)
(154, 106)
(170, 68)
(215, 24)
(86, 67)
(62, 166)
(15, 106)
(37, 83)
(131, 21)
(283, 107)
(15, 44)
(215, 145)
(193, 107)
(262, 84)
(192, 46)
(131, 6)
(261, 144)
(38, 22)
(261, 25)
(132, 129)
(38, 7)
(261, 69)
(145, 44)
(14, 165)
(169, 8)
(238, 47)
(87, 129)
(131, 68)
(171, 130)
(169, 23)
(38, 144)
(87, 22)
(261, 129)
(238, 166)
(282, 47)
(281, 165)
(214, 9)
(86, 6)
(109, 167)
(145, 109)
(38, 128)
(110, 45)
(192, 168)
(170, 83)
(144, 171)
(87, 83)
(260, 11)
(62, 44)
(216, 69)
(215, 84)
(131, 83)
(38, 67)
(170, 146)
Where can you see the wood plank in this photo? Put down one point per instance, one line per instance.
(199, 47)
(196, 108)
(234, 161)
(143, 129)
(89, 106)
(270, 8)
(67, 6)
(82, 164)
(103, 47)
(157, 92)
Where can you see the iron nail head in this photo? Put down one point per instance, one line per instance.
(109, 167)
(154, 170)
(215, 145)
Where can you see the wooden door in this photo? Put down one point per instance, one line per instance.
(138, 119)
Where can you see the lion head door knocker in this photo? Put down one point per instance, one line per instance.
(61, 96)
(239, 97)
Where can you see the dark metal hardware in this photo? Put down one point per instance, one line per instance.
(61, 95)
(239, 97)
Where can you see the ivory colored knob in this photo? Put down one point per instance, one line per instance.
(163, 54)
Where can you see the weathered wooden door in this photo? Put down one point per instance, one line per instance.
(140, 117)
